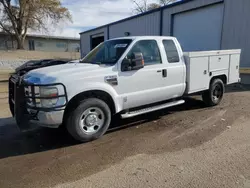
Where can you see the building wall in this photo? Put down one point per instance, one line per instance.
(41, 44)
(85, 39)
(55, 45)
(144, 25)
(236, 28)
(26, 44)
(6, 43)
(2, 43)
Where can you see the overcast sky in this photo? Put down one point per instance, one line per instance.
(88, 14)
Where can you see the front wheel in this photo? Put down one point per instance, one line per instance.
(214, 95)
(89, 120)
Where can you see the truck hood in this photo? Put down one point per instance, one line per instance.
(61, 72)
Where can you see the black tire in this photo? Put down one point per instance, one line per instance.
(214, 95)
(78, 131)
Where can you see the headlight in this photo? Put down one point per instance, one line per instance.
(48, 92)
(46, 96)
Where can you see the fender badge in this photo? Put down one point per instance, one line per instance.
(112, 80)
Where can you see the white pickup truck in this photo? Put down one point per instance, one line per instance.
(127, 76)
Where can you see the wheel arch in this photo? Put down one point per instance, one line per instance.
(100, 94)
(222, 77)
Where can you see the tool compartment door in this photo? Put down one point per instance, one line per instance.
(234, 68)
(197, 74)
(218, 63)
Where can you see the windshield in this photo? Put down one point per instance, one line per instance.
(107, 52)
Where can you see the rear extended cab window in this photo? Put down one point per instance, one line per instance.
(171, 51)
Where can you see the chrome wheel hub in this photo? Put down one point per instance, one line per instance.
(92, 120)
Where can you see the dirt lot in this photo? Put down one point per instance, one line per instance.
(185, 146)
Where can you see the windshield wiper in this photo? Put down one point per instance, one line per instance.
(94, 63)
(98, 62)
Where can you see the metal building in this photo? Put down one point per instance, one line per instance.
(41, 43)
(198, 25)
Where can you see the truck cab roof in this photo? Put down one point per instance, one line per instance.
(144, 37)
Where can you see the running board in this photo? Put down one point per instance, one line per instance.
(151, 109)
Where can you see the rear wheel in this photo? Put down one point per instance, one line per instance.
(89, 120)
(214, 95)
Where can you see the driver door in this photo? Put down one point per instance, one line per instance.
(143, 86)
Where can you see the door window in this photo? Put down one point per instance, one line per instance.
(149, 50)
(171, 51)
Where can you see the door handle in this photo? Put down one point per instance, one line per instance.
(164, 73)
(158, 71)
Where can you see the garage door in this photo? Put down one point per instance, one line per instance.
(199, 29)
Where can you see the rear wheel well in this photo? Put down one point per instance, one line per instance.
(222, 77)
(73, 103)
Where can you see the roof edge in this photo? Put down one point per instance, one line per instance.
(46, 36)
(138, 15)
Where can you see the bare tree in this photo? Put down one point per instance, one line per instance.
(143, 5)
(18, 16)
(166, 2)
(140, 6)
(153, 6)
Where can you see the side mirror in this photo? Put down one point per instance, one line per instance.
(135, 63)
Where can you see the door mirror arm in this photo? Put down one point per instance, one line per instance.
(126, 65)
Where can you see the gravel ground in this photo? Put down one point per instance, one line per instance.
(27, 55)
(8, 64)
(185, 146)
(13, 59)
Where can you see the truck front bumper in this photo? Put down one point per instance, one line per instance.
(25, 116)
(48, 119)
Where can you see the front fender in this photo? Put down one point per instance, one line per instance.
(75, 89)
